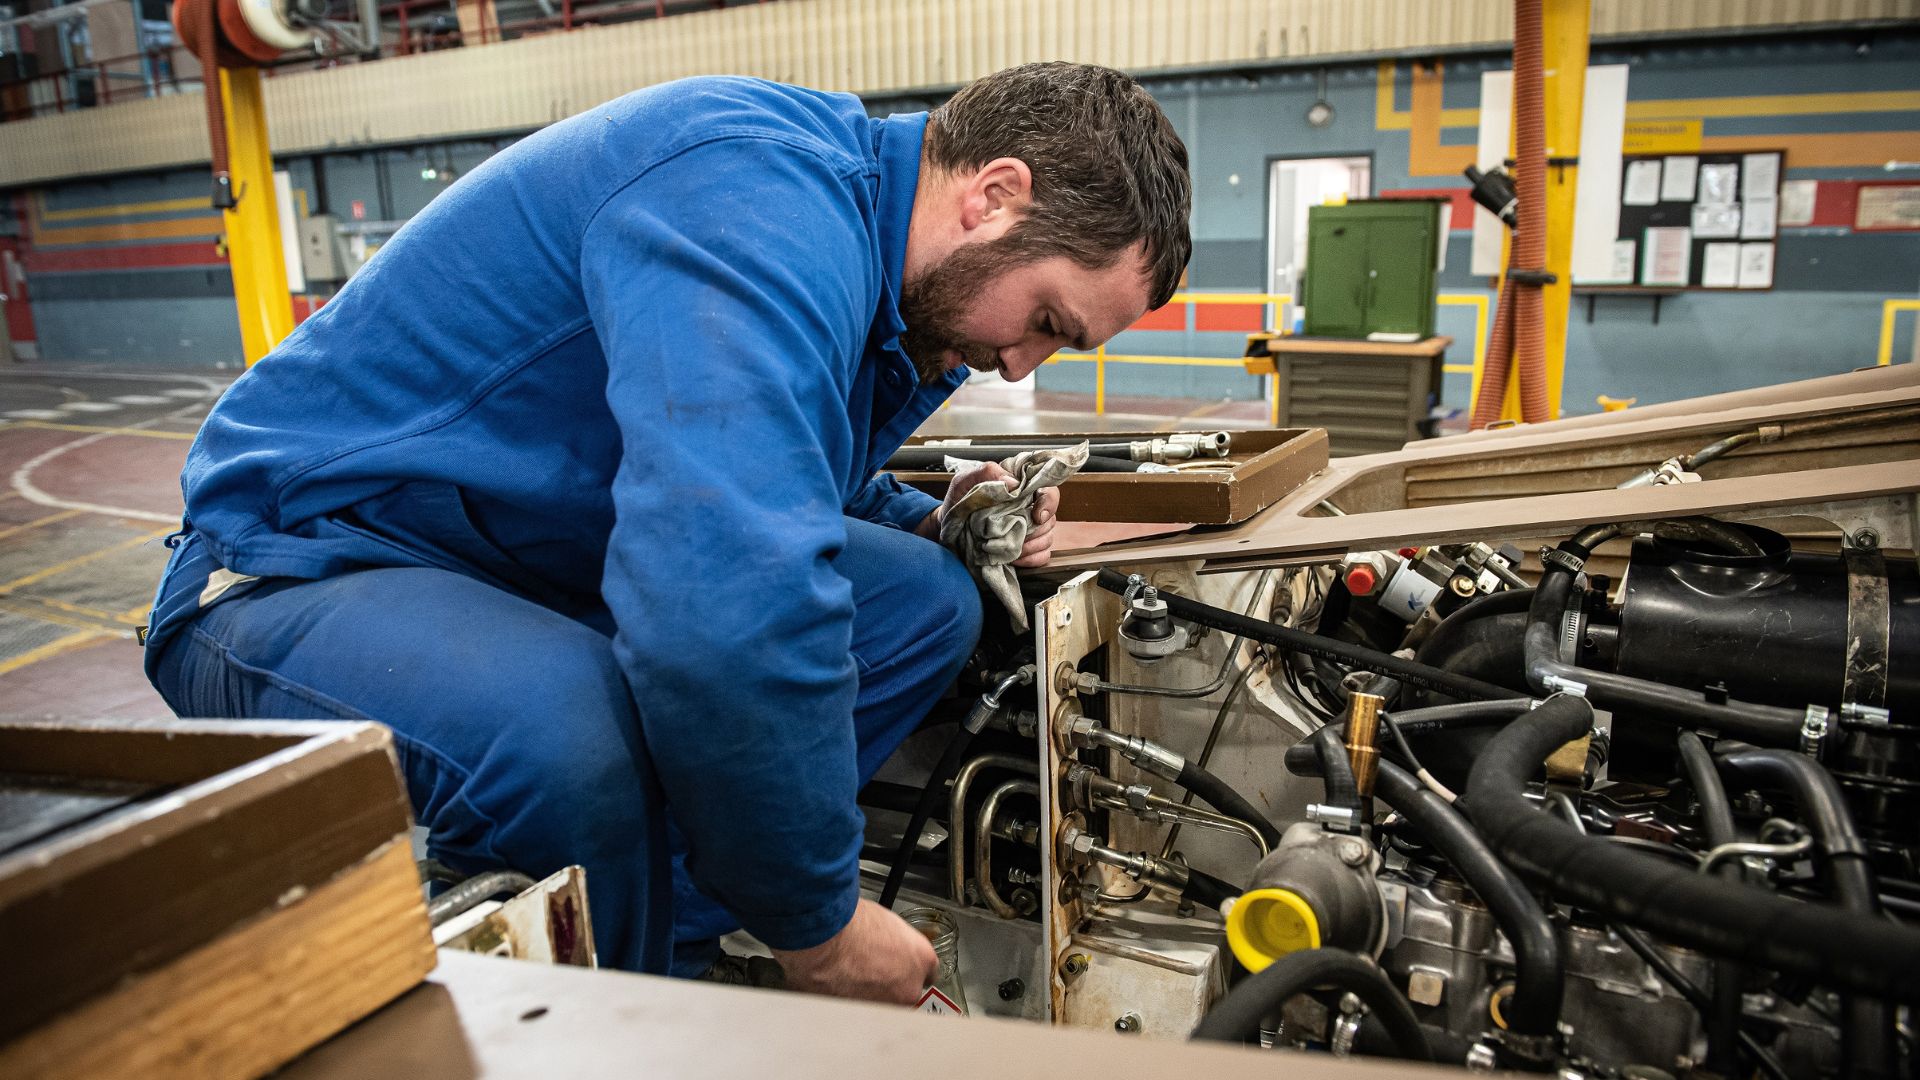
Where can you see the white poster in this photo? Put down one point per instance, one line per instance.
(1716, 222)
(1668, 251)
(1720, 269)
(1621, 272)
(1796, 201)
(1756, 266)
(1496, 127)
(1643, 183)
(1758, 220)
(1719, 184)
(1760, 176)
(1676, 184)
(1596, 203)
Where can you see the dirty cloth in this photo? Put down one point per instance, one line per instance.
(989, 525)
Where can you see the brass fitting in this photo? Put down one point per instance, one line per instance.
(1363, 728)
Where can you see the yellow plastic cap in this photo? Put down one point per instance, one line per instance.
(1267, 924)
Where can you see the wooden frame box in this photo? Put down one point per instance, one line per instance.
(1269, 464)
(199, 898)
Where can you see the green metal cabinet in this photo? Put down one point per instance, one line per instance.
(1371, 267)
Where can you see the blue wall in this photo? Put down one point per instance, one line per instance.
(1822, 317)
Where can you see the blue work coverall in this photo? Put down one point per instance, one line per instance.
(574, 486)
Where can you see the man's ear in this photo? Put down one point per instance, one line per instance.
(995, 196)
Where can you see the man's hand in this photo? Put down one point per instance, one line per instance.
(875, 957)
(1038, 549)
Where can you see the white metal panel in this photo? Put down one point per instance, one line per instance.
(868, 46)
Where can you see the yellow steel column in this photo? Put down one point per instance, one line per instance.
(253, 227)
(1565, 25)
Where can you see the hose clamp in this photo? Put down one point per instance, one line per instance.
(1565, 560)
(1336, 818)
(1855, 715)
(1813, 730)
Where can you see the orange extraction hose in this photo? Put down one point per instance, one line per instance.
(1518, 337)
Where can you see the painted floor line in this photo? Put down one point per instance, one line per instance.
(35, 414)
(16, 530)
(22, 479)
(216, 386)
(52, 649)
(77, 561)
(98, 429)
(41, 610)
(142, 399)
(92, 406)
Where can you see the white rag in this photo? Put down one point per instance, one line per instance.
(989, 525)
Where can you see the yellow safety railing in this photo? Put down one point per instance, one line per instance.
(1100, 357)
(1888, 310)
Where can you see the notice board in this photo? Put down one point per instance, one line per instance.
(1698, 221)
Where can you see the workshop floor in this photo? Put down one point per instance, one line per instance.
(93, 456)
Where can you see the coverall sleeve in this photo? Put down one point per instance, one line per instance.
(732, 287)
(886, 501)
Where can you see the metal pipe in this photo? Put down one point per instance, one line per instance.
(957, 812)
(983, 844)
(469, 893)
(1363, 728)
(1174, 813)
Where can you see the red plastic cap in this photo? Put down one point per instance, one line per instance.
(1361, 579)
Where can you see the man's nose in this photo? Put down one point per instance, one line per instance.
(1021, 360)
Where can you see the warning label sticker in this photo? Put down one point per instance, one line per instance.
(937, 1003)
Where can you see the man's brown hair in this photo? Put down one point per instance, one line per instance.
(1108, 169)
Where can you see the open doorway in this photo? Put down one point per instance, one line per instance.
(1293, 185)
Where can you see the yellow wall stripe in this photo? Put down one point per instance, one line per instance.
(1775, 105)
(160, 206)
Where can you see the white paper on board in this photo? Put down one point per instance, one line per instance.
(1716, 222)
(1621, 272)
(1796, 201)
(1668, 253)
(1496, 116)
(1757, 222)
(1720, 269)
(1760, 176)
(1756, 266)
(1719, 184)
(1677, 181)
(1643, 183)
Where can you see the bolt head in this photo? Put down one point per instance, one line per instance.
(1353, 852)
(1013, 989)
(1075, 963)
(1127, 1024)
(1867, 539)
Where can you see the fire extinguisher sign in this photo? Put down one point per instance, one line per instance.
(937, 1003)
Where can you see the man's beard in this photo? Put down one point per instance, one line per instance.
(933, 304)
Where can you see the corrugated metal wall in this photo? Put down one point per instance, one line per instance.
(868, 46)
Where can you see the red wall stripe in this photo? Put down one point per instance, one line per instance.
(1168, 317)
(1460, 198)
(134, 257)
(1246, 318)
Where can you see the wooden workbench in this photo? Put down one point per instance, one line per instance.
(1371, 396)
(481, 1016)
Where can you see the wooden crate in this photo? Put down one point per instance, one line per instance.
(201, 899)
(1268, 464)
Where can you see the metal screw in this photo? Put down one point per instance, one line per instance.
(1075, 963)
(1867, 539)
(1353, 852)
(1012, 989)
(1127, 1024)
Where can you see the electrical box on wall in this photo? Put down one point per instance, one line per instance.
(1371, 267)
(322, 256)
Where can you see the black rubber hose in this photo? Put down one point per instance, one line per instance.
(1763, 724)
(1334, 766)
(1716, 817)
(1208, 891)
(1237, 1017)
(1325, 648)
(1539, 969)
(1436, 718)
(1453, 631)
(1720, 918)
(1866, 1031)
(1218, 795)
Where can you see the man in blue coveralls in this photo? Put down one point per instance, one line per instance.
(574, 485)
